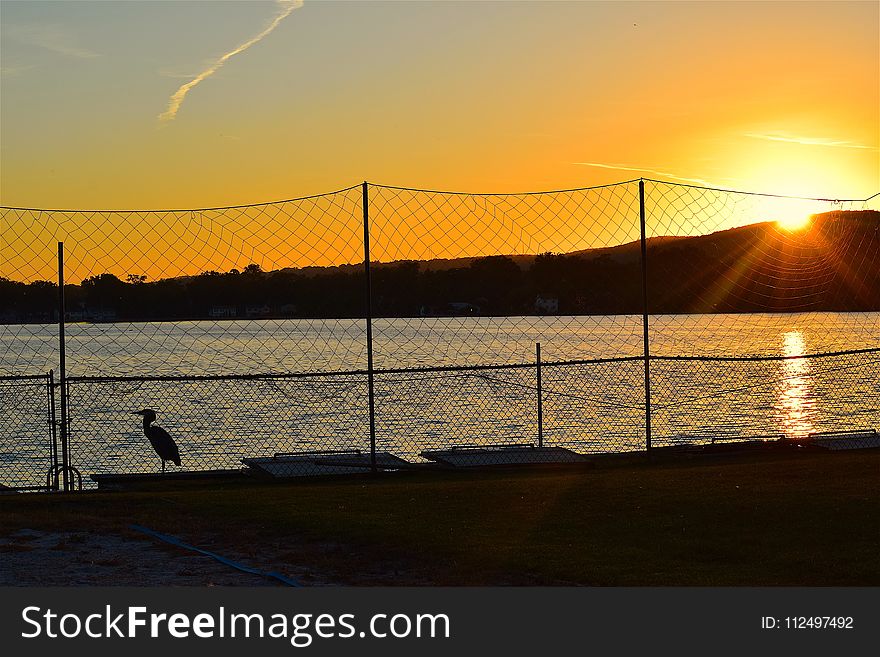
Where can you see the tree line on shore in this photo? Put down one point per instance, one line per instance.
(834, 265)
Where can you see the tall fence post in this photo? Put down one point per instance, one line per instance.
(647, 349)
(52, 477)
(368, 305)
(62, 371)
(540, 396)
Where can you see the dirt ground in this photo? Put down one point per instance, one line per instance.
(30, 557)
(753, 519)
(60, 558)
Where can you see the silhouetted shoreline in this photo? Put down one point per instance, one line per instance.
(832, 266)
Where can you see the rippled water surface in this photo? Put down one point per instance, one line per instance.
(590, 407)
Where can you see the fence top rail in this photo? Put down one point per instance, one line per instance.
(445, 368)
(433, 191)
(340, 373)
(21, 377)
(825, 354)
(213, 377)
(765, 195)
(548, 191)
(180, 210)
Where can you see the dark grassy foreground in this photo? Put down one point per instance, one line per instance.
(809, 518)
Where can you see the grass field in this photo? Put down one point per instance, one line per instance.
(803, 518)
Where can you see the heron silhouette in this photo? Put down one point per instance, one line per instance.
(160, 439)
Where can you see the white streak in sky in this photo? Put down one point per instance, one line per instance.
(287, 6)
(621, 167)
(811, 141)
(15, 71)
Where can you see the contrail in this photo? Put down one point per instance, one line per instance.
(287, 6)
(811, 141)
(621, 167)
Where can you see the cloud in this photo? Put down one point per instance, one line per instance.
(51, 37)
(622, 167)
(810, 141)
(15, 71)
(174, 103)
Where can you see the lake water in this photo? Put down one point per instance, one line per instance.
(590, 407)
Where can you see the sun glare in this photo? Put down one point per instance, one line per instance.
(790, 214)
(794, 222)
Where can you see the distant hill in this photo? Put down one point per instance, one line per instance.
(832, 265)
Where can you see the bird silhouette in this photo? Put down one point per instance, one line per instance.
(160, 439)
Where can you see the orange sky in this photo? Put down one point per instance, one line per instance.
(779, 97)
(181, 105)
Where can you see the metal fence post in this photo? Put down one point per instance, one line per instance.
(52, 479)
(62, 372)
(540, 396)
(368, 298)
(647, 349)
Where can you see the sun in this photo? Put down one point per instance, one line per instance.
(793, 222)
(790, 214)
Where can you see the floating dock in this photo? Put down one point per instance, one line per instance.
(839, 440)
(470, 456)
(125, 481)
(310, 464)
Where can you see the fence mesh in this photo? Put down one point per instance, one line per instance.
(475, 279)
(700, 400)
(215, 421)
(732, 269)
(187, 292)
(472, 280)
(245, 328)
(28, 445)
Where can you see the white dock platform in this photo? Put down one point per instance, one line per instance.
(480, 455)
(310, 464)
(840, 440)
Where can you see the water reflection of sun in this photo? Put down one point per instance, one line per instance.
(795, 404)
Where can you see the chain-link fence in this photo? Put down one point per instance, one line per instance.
(216, 421)
(706, 399)
(29, 447)
(382, 326)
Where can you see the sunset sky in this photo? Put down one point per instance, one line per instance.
(193, 104)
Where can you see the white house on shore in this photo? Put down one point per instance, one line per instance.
(257, 311)
(222, 312)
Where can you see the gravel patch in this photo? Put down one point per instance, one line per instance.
(80, 558)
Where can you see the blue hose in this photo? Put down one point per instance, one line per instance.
(245, 569)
